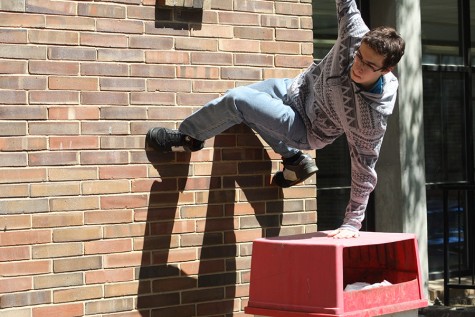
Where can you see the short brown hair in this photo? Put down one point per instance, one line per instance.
(387, 42)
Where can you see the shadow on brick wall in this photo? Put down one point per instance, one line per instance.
(209, 286)
(178, 18)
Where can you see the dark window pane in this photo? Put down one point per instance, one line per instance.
(440, 32)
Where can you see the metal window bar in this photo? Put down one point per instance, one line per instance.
(465, 196)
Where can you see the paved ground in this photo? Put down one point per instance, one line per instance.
(442, 311)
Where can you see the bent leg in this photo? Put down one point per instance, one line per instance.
(261, 106)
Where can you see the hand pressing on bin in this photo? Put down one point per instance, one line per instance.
(343, 234)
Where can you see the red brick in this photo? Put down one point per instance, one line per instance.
(77, 294)
(101, 10)
(172, 57)
(280, 48)
(103, 40)
(53, 37)
(141, 12)
(82, 263)
(111, 127)
(23, 82)
(77, 234)
(149, 98)
(24, 175)
(18, 206)
(293, 61)
(211, 58)
(18, 284)
(73, 83)
(13, 36)
(124, 113)
(72, 53)
(254, 6)
(293, 9)
(120, 26)
(109, 276)
(104, 157)
(10, 129)
(129, 259)
(13, 6)
(72, 173)
(25, 268)
(196, 44)
(109, 305)
(70, 23)
(25, 299)
(15, 253)
(108, 246)
(53, 128)
(213, 31)
(57, 219)
(10, 97)
(212, 86)
(67, 310)
(73, 113)
(21, 20)
(239, 45)
(124, 231)
(13, 67)
(122, 84)
(51, 7)
(254, 33)
(14, 190)
(53, 158)
(54, 97)
(74, 143)
(102, 97)
(8, 238)
(202, 72)
(122, 289)
(279, 21)
(122, 142)
(280, 73)
(13, 159)
(74, 203)
(254, 60)
(293, 35)
(53, 68)
(108, 216)
(236, 73)
(234, 18)
(22, 52)
(58, 280)
(105, 187)
(192, 99)
(124, 201)
(151, 42)
(176, 85)
(56, 250)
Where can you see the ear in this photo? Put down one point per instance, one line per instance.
(387, 70)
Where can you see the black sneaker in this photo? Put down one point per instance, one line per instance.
(296, 172)
(167, 140)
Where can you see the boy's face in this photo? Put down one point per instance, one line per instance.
(367, 67)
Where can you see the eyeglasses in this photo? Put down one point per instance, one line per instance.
(365, 64)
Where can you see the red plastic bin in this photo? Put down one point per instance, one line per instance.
(305, 275)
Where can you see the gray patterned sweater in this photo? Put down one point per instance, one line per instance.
(331, 104)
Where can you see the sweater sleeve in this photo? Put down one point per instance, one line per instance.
(350, 22)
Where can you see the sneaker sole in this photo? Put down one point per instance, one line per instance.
(280, 180)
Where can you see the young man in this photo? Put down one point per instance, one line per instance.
(351, 91)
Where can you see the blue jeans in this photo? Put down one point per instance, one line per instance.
(261, 107)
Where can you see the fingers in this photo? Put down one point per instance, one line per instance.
(343, 234)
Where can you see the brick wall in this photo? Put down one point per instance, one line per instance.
(92, 224)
